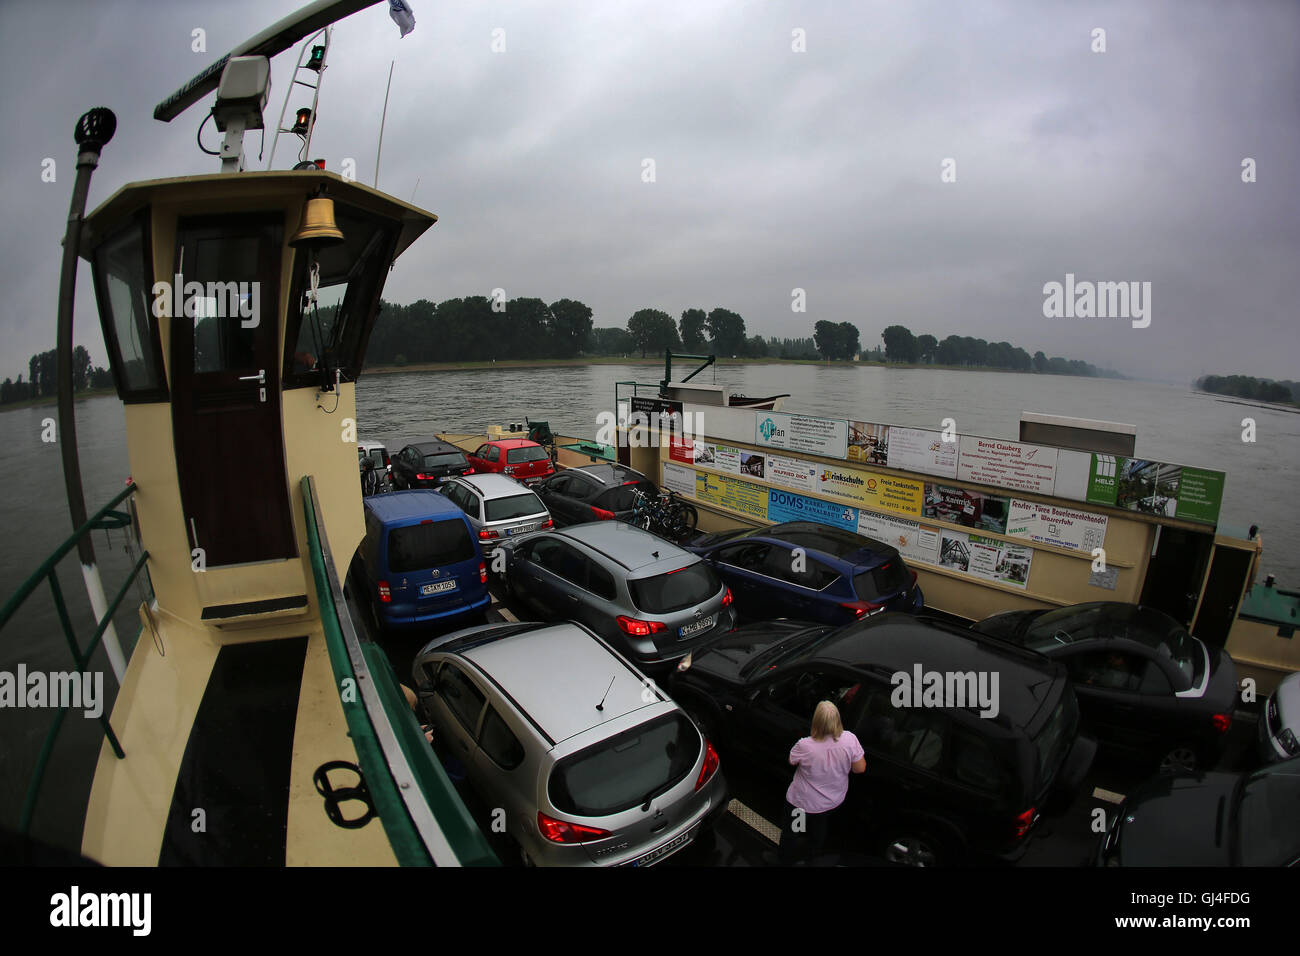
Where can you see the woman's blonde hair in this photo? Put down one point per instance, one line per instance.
(826, 722)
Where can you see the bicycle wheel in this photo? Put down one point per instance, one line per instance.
(684, 518)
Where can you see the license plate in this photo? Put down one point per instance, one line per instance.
(438, 588)
(522, 529)
(703, 624)
(660, 852)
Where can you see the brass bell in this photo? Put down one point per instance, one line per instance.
(318, 228)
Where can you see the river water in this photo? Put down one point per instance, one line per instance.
(1174, 424)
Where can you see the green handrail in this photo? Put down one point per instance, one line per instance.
(105, 517)
(386, 735)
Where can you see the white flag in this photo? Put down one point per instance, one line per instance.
(402, 15)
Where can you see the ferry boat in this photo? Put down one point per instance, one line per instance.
(256, 721)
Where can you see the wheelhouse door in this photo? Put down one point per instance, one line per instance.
(226, 390)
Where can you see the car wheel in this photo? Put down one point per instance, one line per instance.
(1182, 758)
(906, 846)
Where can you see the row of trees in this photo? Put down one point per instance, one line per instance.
(902, 346)
(1243, 386)
(42, 379)
(836, 341)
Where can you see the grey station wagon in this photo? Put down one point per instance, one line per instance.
(652, 600)
(499, 508)
(592, 764)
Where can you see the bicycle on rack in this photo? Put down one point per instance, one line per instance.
(665, 514)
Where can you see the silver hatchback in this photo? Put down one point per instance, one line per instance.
(584, 760)
(499, 508)
(652, 600)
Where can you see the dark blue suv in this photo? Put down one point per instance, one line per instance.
(810, 571)
(421, 560)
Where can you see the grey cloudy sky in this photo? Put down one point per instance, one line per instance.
(775, 169)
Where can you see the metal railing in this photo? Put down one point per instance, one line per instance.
(103, 519)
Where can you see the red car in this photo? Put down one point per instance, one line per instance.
(519, 458)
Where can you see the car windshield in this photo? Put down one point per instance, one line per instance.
(433, 545)
(676, 590)
(1268, 818)
(798, 643)
(621, 772)
(517, 456)
(516, 506)
(443, 458)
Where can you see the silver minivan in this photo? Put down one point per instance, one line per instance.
(588, 762)
(652, 600)
(499, 508)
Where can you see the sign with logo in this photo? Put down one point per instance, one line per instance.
(873, 491)
(789, 506)
(817, 436)
(1000, 561)
(1103, 481)
(1156, 488)
(965, 507)
(1059, 527)
(728, 492)
(791, 473)
(1006, 464)
(914, 541)
(916, 449)
(679, 479)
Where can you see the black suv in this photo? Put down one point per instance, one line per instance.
(942, 782)
(593, 493)
(426, 464)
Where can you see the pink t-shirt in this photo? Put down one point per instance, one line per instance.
(821, 779)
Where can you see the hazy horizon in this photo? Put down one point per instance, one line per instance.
(798, 145)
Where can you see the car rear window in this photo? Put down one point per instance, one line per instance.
(626, 770)
(517, 456)
(444, 458)
(623, 497)
(516, 506)
(433, 545)
(890, 578)
(675, 590)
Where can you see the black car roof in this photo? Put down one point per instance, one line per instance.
(837, 542)
(607, 474)
(434, 444)
(890, 643)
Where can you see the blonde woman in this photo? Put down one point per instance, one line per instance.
(823, 762)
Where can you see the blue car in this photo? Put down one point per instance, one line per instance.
(421, 560)
(810, 572)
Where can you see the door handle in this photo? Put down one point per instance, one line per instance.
(260, 377)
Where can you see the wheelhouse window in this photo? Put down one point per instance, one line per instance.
(333, 335)
(124, 291)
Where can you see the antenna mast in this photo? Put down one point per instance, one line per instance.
(316, 64)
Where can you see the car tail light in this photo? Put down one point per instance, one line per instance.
(601, 514)
(710, 765)
(862, 609)
(423, 477)
(561, 831)
(1025, 821)
(468, 471)
(636, 628)
(548, 523)
(726, 598)
(482, 573)
(385, 594)
(1221, 722)
(487, 533)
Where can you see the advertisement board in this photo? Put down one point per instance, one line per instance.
(1060, 527)
(1006, 464)
(916, 449)
(827, 437)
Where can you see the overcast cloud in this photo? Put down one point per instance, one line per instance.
(775, 169)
